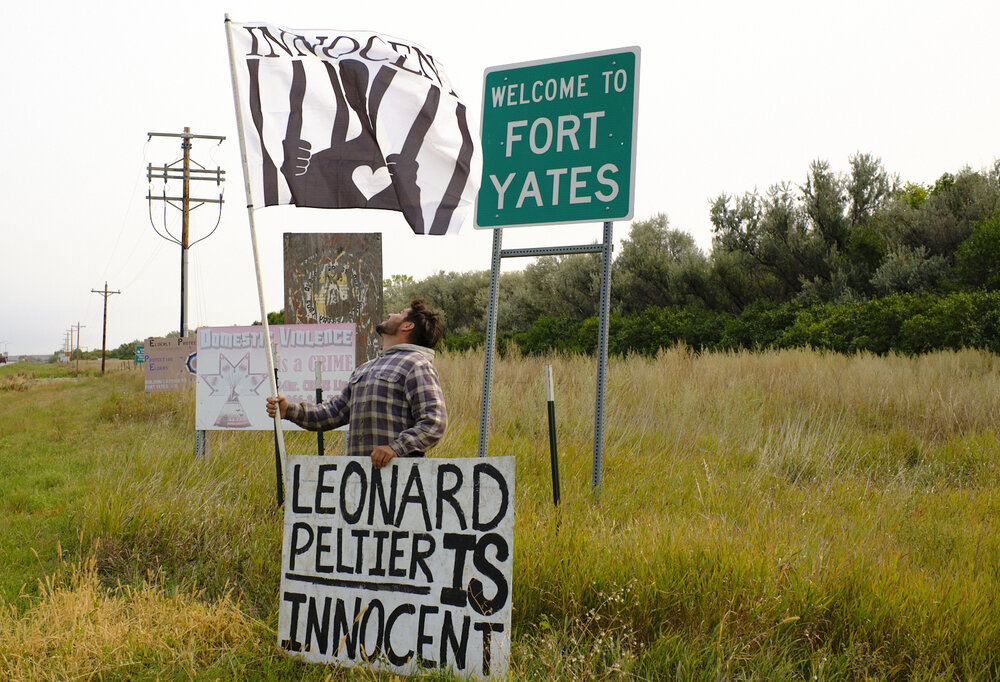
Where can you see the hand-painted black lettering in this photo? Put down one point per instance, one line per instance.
(487, 629)
(390, 653)
(418, 498)
(345, 630)
(341, 566)
(322, 489)
(458, 644)
(387, 506)
(360, 552)
(318, 625)
(296, 548)
(428, 66)
(401, 588)
(396, 553)
(322, 549)
(422, 637)
(378, 569)
(353, 468)
(370, 650)
(480, 603)
(296, 600)
(296, 507)
(419, 556)
(448, 495)
(477, 472)
(455, 595)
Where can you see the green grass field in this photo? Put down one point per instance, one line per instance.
(776, 516)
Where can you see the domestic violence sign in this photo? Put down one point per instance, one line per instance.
(233, 384)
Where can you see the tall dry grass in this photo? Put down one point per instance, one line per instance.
(80, 630)
(783, 515)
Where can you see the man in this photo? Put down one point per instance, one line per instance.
(394, 403)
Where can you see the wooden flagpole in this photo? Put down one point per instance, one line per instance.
(278, 431)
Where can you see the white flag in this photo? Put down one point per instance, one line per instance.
(348, 119)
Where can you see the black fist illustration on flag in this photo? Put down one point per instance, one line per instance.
(374, 127)
(354, 168)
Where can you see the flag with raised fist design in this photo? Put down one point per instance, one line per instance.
(348, 119)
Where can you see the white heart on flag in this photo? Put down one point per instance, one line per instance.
(369, 182)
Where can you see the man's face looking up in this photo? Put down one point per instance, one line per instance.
(390, 327)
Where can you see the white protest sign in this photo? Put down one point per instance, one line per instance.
(232, 381)
(402, 568)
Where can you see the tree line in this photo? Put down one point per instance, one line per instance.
(845, 261)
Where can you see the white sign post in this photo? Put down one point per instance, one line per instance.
(399, 569)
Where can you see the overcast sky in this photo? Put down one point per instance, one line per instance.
(733, 95)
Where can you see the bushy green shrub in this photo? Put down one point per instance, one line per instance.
(850, 327)
(760, 325)
(903, 323)
(656, 328)
(977, 260)
(458, 343)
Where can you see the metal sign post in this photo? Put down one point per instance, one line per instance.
(605, 249)
(602, 362)
(491, 346)
(558, 147)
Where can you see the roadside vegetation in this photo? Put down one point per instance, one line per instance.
(787, 514)
(851, 260)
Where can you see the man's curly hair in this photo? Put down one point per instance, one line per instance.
(428, 327)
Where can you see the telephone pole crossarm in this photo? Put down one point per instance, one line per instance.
(187, 135)
(181, 199)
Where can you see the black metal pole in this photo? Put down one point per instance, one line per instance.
(553, 451)
(319, 401)
(277, 455)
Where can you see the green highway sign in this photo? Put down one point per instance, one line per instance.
(558, 140)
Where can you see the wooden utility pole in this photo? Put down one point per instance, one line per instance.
(185, 174)
(78, 325)
(185, 224)
(104, 334)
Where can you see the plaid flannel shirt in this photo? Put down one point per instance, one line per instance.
(394, 400)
